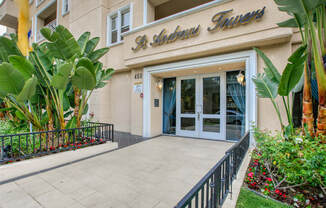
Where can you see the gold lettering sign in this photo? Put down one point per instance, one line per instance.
(221, 20)
(164, 38)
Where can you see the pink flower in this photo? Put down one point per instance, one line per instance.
(251, 174)
(269, 179)
(277, 191)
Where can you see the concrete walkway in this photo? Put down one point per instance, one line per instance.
(154, 173)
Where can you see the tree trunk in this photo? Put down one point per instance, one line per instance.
(49, 112)
(77, 106)
(2, 115)
(321, 120)
(307, 112)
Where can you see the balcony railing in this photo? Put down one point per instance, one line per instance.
(52, 25)
(212, 190)
(29, 145)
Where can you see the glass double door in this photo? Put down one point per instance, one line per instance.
(201, 106)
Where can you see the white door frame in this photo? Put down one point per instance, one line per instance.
(249, 57)
(221, 116)
(180, 132)
(198, 115)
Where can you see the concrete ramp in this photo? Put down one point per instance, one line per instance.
(154, 173)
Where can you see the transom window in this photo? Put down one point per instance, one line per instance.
(119, 22)
(65, 7)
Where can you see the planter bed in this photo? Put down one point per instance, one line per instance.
(258, 179)
(29, 145)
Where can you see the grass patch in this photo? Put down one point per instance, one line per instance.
(248, 199)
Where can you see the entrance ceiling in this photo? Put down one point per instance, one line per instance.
(202, 70)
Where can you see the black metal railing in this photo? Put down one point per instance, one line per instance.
(27, 145)
(212, 190)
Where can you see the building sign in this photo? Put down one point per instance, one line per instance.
(164, 38)
(221, 20)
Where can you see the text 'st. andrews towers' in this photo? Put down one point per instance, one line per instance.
(221, 20)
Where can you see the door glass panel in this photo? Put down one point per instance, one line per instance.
(188, 96)
(235, 105)
(188, 124)
(211, 95)
(211, 125)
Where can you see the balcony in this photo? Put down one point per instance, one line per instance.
(8, 14)
(47, 18)
(165, 8)
(52, 25)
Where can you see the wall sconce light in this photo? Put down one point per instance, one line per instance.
(159, 84)
(241, 79)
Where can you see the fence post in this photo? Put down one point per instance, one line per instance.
(2, 150)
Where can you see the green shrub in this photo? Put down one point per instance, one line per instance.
(296, 160)
(8, 127)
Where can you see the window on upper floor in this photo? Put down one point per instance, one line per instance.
(119, 22)
(65, 7)
(38, 2)
(159, 9)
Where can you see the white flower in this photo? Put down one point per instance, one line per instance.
(298, 140)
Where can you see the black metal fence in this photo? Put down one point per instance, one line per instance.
(212, 190)
(28, 145)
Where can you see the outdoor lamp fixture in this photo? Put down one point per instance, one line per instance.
(159, 84)
(241, 79)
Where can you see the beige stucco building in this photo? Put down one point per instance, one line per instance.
(183, 67)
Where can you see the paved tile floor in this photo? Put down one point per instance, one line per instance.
(156, 174)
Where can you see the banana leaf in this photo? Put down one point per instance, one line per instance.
(62, 43)
(82, 41)
(265, 87)
(84, 79)
(91, 45)
(61, 78)
(23, 65)
(28, 91)
(7, 47)
(11, 80)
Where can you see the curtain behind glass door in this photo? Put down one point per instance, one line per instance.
(169, 106)
(235, 106)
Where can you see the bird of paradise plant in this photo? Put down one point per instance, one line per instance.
(313, 34)
(50, 72)
(21, 85)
